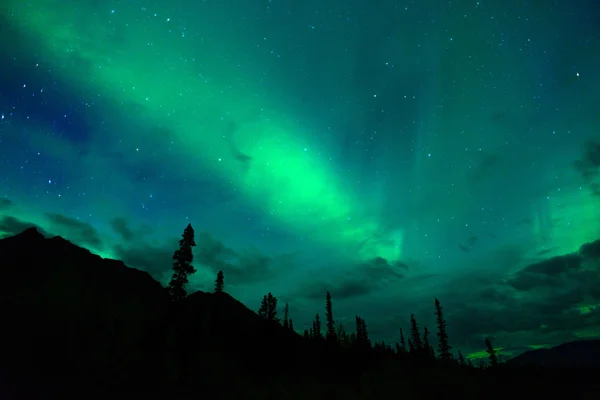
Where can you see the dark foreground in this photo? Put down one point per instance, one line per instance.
(73, 323)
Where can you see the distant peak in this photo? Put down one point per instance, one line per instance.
(31, 232)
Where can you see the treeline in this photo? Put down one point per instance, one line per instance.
(417, 345)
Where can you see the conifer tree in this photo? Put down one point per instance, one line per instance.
(268, 308)
(493, 353)
(330, 335)
(411, 347)
(272, 308)
(219, 282)
(442, 333)
(286, 311)
(402, 341)
(427, 349)
(461, 359)
(415, 334)
(291, 325)
(362, 335)
(359, 334)
(365, 333)
(264, 305)
(317, 327)
(306, 334)
(182, 265)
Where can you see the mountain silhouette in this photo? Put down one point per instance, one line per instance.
(574, 354)
(74, 323)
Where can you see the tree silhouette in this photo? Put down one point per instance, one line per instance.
(490, 350)
(330, 335)
(317, 327)
(427, 348)
(291, 325)
(264, 305)
(219, 282)
(272, 308)
(362, 335)
(365, 333)
(286, 311)
(442, 334)
(182, 265)
(268, 308)
(402, 341)
(415, 335)
(461, 359)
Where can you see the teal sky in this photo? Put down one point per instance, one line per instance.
(386, 151)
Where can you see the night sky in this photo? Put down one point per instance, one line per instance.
(386, 151)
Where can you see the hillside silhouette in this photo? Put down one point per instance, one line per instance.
(74, 323)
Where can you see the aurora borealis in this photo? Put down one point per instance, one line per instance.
(386, 151)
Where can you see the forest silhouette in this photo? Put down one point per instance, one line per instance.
(75, 323)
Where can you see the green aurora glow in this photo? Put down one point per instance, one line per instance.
(312, 135)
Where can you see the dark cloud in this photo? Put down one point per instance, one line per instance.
(555, 265)
(252, 266)
(543, 303)
(590, 250)
(380, 268)
(74, 229)
(121, 227)
(550, 272)
(212, 253)
(5, 203)
(237, 266)
(360, 281)
(10, 226)
(156, 260)
(347, 289)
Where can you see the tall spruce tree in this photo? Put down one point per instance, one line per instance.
(415, 335)
(292, 325)
(182, 265)
(330, 335)
(442, 333)
(492, 352)
(219, 282)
